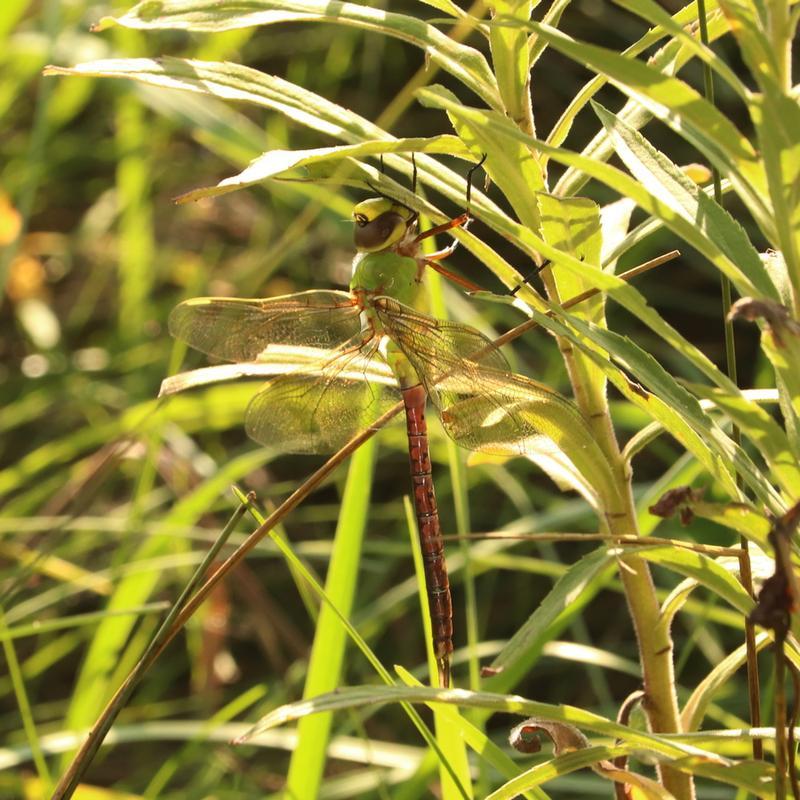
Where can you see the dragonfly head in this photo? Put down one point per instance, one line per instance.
(381, 223)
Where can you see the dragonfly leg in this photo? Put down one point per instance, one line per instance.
(432, 259)
(451, 276)
(446, 252)
(532, 274)
(460, 221)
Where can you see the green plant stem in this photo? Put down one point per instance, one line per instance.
(653, 638)
(745, 573)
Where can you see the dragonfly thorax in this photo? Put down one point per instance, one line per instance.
(386, 273)
(382, 224)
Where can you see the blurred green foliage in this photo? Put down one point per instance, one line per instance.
(106, 493)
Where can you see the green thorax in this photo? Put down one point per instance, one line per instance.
(386, 239)
(386, 273)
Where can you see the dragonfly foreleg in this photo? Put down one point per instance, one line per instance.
(461, 221)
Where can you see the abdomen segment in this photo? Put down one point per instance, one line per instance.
(430, 534)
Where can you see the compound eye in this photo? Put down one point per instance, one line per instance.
(379, 233)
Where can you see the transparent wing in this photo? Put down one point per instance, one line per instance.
(235, 329)
(506, 414)
(319, 412)
(482, 404)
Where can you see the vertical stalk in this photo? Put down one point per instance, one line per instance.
(619, 518)
(653, 638)
(745, 574)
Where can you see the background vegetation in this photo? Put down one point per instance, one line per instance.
(110, 500)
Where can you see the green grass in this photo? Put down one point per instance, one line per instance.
(111, 499)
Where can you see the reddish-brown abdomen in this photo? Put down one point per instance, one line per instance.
(430, 535)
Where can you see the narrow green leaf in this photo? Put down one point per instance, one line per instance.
(479, 743)
(550, 415)
(668, 59)
(704, 570)
(757, 46)
(647, 228)
(777, 120)
(511, 165)
(463, 62)
(754, 777)
(24, 705)
(596, 758)
(565, 591)
(136, 230)
(615, 219)
(669, 185)
(281, 163)
(92, 687)
(503, 131)
(327, 654)
(551, 17)
(761, 429)
(360, 696)
(448, 7)
(297, 567)
(658, 17)
(670, 403)
(694, 709)
(682, 408)
(780, 342)
(234, 82)
(740, 517)
(454, 772)
(510, 58)
(681, 108)
(572, 226)
(41, 627)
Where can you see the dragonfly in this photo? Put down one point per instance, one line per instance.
(361, 348)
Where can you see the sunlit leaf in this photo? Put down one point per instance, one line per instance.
(463, 62)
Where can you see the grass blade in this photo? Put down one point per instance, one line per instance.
(325, 665)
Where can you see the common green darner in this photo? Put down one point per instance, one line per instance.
(366, 344)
